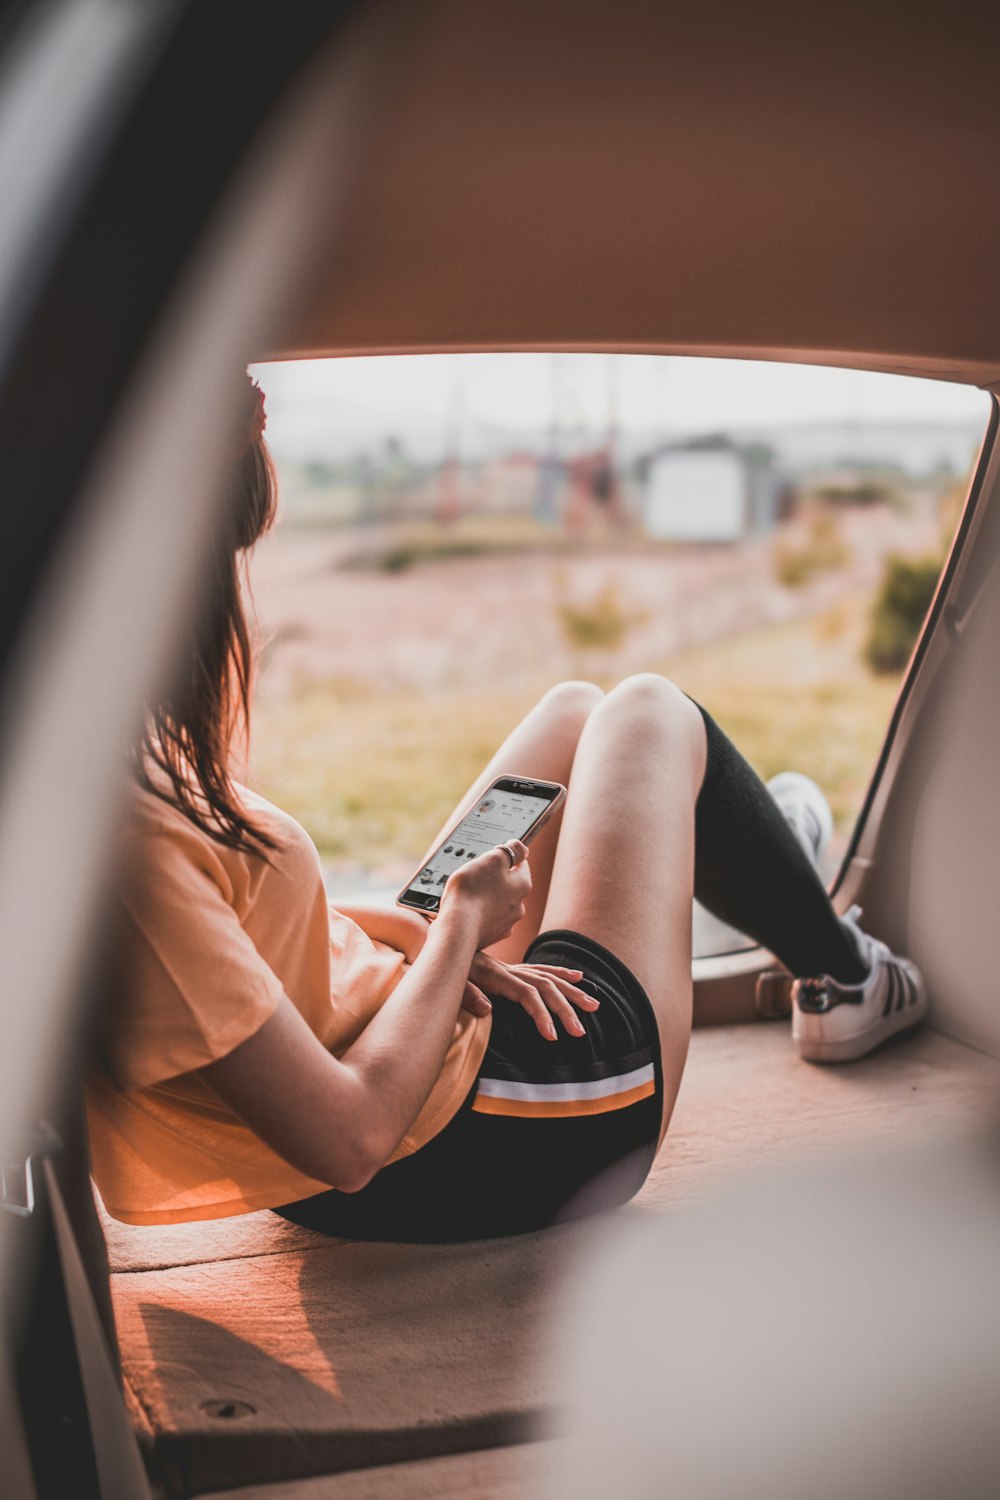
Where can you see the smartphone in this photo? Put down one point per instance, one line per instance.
(512, 808)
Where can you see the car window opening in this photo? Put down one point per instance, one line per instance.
(459, 532)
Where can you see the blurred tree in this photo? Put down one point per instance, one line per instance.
(899, 611)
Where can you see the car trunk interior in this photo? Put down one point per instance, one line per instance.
(630, 178)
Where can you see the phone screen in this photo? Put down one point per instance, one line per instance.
(507, 811)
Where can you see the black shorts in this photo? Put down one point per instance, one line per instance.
(549, 1130)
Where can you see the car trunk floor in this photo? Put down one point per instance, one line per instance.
(257, 1353)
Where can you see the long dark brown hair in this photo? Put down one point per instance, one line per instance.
(189, 733)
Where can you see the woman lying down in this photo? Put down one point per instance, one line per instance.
(512, 1062)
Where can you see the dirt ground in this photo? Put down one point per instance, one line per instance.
(497, 619)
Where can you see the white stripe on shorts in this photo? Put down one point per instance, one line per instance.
(552, 1093)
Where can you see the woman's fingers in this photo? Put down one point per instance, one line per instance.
(560, 1006)
(529, 999)
(518, 850)
(474, 1001)
(542, 1000)
(563, 978)
(542, 991)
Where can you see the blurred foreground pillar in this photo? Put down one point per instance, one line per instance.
(810, 1335)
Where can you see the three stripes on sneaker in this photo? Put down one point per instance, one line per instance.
(902, 990)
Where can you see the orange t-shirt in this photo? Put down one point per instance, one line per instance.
(213, 939)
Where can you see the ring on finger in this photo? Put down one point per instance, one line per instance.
(509, 853)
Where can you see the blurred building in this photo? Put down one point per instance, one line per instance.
(710, 489)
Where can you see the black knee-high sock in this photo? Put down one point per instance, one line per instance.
(751, 871)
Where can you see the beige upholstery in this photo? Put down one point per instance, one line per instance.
(703, 179)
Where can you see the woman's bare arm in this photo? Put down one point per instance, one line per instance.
(338, 1121)
(401, 929)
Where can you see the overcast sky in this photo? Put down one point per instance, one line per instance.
(335, 408)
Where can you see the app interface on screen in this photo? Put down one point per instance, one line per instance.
(499, 817)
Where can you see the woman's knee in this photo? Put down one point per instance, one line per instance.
(651, 697)
(651, 692)
(572, 702)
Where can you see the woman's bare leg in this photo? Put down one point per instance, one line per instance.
(624, 864)
(542, 746)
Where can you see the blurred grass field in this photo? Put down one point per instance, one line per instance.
(372, 774)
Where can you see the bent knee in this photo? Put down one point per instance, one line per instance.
(574, 700)
(651, 694)
(650, 689)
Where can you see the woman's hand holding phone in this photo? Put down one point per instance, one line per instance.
(494, 888)
(510, 810)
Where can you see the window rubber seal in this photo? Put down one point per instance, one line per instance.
(937, 617)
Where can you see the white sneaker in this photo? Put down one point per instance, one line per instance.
(834, 1022)
(805, 810)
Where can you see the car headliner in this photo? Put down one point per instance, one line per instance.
(762, 181)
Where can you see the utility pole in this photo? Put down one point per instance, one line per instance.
(449, 485)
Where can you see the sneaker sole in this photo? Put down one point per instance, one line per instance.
(849, 1048)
